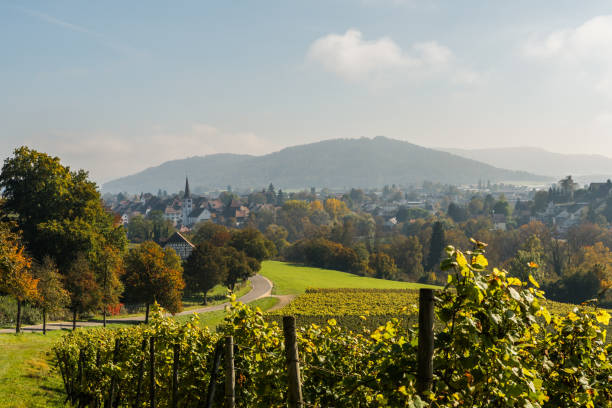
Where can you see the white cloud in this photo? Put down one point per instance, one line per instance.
(354, 59)
(584, 51)
(109, 155)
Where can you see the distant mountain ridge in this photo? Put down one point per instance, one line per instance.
(539, 161)
(337, 163)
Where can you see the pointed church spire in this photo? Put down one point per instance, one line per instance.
(187, 192)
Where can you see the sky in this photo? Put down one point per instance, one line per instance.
(115, 87)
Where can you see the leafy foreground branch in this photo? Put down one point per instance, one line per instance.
(497, 346)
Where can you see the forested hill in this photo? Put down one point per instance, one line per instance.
(333, 163)
(585, 167)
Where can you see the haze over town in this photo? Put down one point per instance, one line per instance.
(116, 88)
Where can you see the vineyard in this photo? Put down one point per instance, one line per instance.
(355, 308)
(496, 345)
(352, 308)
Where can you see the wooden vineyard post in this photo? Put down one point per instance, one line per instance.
(175, 368)
(152, 372)
(210, 396)
(293, 362)
(426, 341)
(141, 372)
(230, 375)
(113, 386)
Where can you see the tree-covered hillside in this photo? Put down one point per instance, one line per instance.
(333, 163)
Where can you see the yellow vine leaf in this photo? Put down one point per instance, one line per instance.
(603, 317)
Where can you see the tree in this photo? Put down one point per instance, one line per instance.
(52, 296)
(476, 206)
(407, 253)
(209, 231)
(139, 229)
(382, 266)
(153, 274)
(239, 266)
(280, 198)
(356, 195)
(15, 276)
(335, 208)
(108, 265)
(205, 268)
(59, 211)
(252, 243)
(502, 207)
(540, 200)
(271, 194)
(278, 235)
(529, 261)
(436, 246)
(457, 213)
(85, 294)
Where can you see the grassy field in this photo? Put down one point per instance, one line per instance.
(26, 376)
(291, 279)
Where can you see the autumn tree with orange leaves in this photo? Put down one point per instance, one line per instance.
(153, 274)
(15, 276)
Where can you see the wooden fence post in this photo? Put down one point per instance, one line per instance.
(141, 373)
(230, 375)
(210, 396)
(152, 372)
(113, 385)
(426, 341)
(293, 363)
(175, 368)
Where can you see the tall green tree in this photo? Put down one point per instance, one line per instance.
(60, 211)
(153, 274)
(239, 266)
(436, 246)
(205, 268)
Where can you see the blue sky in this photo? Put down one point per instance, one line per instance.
(115, 87)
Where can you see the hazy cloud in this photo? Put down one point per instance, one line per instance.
(586, 50)
(354, 59)
(109, 155)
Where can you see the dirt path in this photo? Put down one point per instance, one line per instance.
(261, 287)
(284, 300)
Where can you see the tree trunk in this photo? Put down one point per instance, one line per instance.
(205, 300)
(44, 321)
(147, 315)
(18, 325)
(74, 315)
(104, 316)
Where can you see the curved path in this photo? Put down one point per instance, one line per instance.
(261, 287)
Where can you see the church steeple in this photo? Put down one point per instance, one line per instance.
(187, 192)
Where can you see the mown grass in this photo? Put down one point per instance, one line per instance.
(27, 377)
(292, 279)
